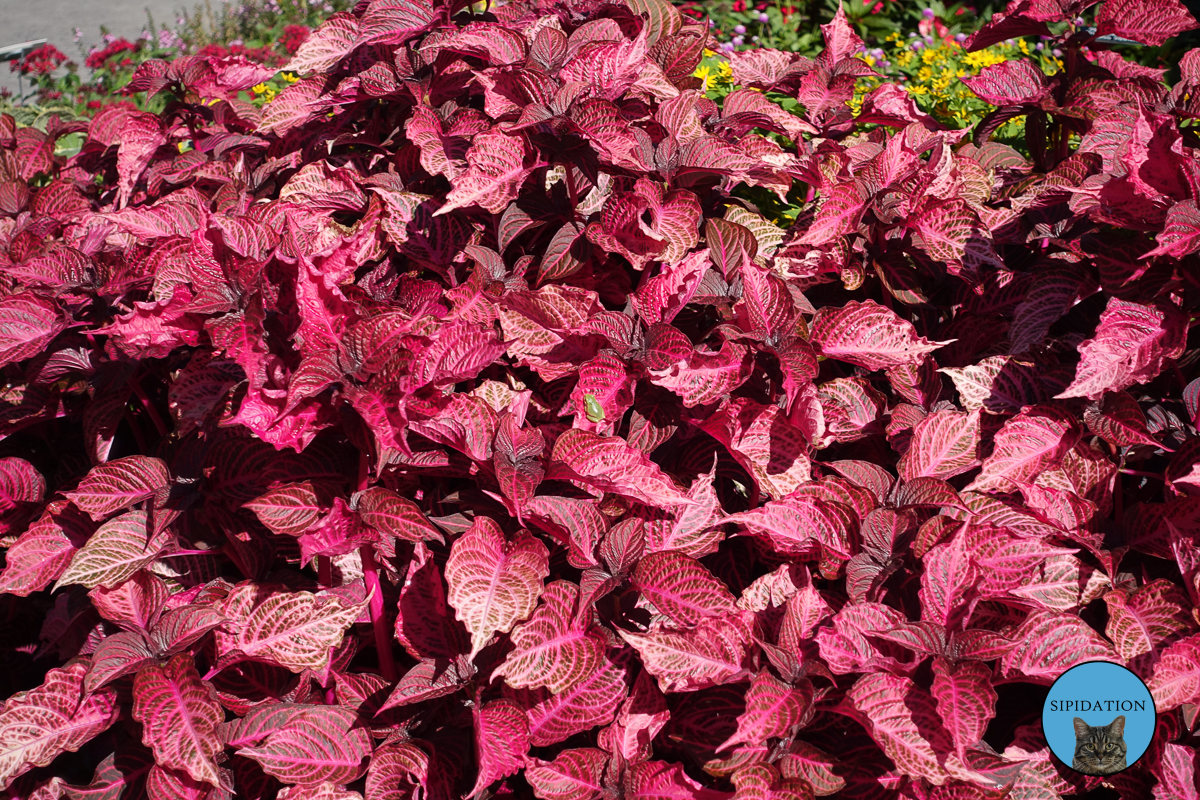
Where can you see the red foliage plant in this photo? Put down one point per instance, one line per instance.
(454, 427)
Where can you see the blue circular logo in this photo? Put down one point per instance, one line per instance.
(1098, 718)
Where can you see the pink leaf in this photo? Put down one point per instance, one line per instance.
(501, 741)
(1140, 621)
(966, 701)
(657, 780)
(712, 653)
(944, 444)
(1177, 774)
(393, 21)
(116, 551)
(110, 487)
(947, 579)
(1009, 83)
(290, 509)
(495, 170)
(1118, 419)
(869, 335)
(141, 135)
(38, 725)
(902, 719)
(555, 649)
(396, 516)
(1049, 643)
(1146, 21)
(1029, 443)
(27, 324)
(1131, 345)
(681, 588)
(1176, 678)
(609, 464)
(572, 775)
(179, 715)
(292, 629)
(40, 556)
(773, 709)
(494, 583)
(592, 701)
(662, 297)
(764, 442)
(327, 45)
(319, 744)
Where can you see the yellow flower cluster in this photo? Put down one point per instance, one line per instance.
(264, 92)
(932, 73)
(715, 77)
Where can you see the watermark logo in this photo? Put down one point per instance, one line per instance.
(1098, 718)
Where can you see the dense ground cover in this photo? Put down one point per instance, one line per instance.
(534, 401)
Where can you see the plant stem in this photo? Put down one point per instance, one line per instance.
(379, 622)
(1127, 471)
(138, 436)
(151, 411)
(324, 571)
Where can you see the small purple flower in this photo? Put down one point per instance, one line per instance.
(726, 46)
(712, 24)
(738, 41)
(763, 18)
(754, 38)
(1039, 47)
(928, 13)
(739, 29)
(1056, 53)
(960, 37)
(918, 44)
(877, 53)
(885, 64)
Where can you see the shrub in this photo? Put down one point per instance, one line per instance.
(453, 426)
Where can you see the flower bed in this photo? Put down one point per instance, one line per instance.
(534, 401)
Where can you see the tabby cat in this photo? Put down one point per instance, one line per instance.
(1099, 750)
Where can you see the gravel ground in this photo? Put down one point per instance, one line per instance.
(56, 20)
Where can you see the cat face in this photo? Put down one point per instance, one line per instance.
(1100, 750)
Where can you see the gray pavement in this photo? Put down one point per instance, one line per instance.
(56, 20)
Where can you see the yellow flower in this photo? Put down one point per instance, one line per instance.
(917, 90)
(702, 73)
(725, 71)
(289, 77)
(260, 88)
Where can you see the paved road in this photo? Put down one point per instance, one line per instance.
(56, 20)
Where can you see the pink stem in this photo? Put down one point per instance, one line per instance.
(379, 622)
(137, 431)
(151, 411)
(383, 639)
(1155, 475)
